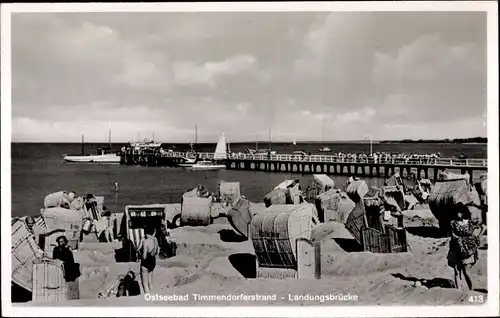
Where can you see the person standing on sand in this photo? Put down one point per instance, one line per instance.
(62, 252)
(148, 249)
(106, 216)
(463, 253)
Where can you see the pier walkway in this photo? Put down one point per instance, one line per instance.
(328, 164)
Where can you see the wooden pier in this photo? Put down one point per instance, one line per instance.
(327, 164)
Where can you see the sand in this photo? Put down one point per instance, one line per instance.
(208, 265)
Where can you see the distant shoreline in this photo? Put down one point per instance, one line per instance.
(476, 140)
(465, 141)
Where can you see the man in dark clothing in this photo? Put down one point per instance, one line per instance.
(62, 252)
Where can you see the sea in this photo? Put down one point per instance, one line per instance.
(38, 169)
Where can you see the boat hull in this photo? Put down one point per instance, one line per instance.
(213, 167)
(93, 159)
(186, 165)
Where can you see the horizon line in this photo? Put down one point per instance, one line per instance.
(256, 141)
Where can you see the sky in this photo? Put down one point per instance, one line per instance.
(324, 76)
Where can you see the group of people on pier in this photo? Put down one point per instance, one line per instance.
(348, 157)
(375, 157)
(387, 157)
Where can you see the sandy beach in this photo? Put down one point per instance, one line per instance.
(209, 263)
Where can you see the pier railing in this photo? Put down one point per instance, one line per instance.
(335, 159)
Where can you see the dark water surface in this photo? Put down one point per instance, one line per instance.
(38, 169)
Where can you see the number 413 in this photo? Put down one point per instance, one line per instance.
(476, 299)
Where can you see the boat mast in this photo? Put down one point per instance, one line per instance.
(153, 137)
(82, 146)
(269, 138)
(109, 139)
(195, 134)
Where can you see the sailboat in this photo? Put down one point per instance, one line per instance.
(267, 151)
(103, 156)
(189, 162)
(220, 154)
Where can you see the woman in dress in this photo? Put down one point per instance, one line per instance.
(463, 253)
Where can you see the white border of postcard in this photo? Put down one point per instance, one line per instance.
(490, 308)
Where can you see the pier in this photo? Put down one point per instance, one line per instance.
(327, 164)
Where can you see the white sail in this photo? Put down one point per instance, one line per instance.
(221, 148)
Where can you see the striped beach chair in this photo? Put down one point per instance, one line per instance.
(93, 208)
(135, 230)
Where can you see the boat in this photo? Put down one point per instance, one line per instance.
(104, 158)
(104, 155)
(265, 152)
(145, 144)
(221, 148)
(300, 153)
(186, 162)
(220, 154)
(207, 165)
(325, 149)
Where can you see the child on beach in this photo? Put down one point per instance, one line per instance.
(464, 242)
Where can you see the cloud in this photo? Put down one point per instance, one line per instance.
(187, 73)
(307, 75)
(363, 116)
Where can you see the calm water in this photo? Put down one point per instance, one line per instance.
(39, 169)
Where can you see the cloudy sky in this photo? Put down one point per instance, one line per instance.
(309, 76)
